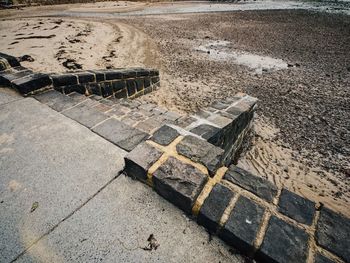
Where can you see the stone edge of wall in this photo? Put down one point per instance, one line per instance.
(248, 212)
(119, 83)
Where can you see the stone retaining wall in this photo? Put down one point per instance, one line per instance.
(118, 83)
(247, 212)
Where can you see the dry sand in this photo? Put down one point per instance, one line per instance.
(295, 142)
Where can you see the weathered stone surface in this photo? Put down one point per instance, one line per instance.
(206, 131)
(220, 105)
(257, 185)
(214, 206)
(128, 73)
(73, 88)
(243, 224)
(106, 89)
(122, 135)
(332, 233)
(85, 77)
(296, 207)
(201, 151)
(121, 94)
(56, 100)
(85, 115)
(179, 183)
(219, 120)
(165, 135)
(284, 243)
(13, 61)
(94, 88)
(140, 159)
(64, 80)
(171, 116)
(141, 72)
(319, 258)
(9, 75)
(118, 85)
(99, 75)
(139, 84)
(32, 83)
(113, 74)
(131, 87)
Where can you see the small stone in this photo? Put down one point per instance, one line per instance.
(165, 135)
(296, 207)
(242, 226)
(140, 159)
(179, 183)
(332, 233)
(214, 206)
(201, 151)
(257, 185)
(284, 243)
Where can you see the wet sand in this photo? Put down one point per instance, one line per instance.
(302, 137)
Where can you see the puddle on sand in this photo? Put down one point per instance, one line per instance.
(219, 50)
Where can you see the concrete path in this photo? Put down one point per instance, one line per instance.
(61, 199)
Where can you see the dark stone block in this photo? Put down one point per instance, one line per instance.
(257, 185)
(332, 233)
(147, 90)
(141, 72)
(179, 183)
(121, 94)
(165, 135)
(113, 75)
(128, 73)
(155, 81)
(99, 75)
(154, 72)
(214, 207)
(13, 61)
(201, 151)
(118, 85)
(121, 134)
(319, 258)
(242, 225)
(206, 131)
(139, 84)
(74, 88)
(106, 89)
(7, 76)
(284, 243)
(64, 80)
(94, 88)
(32, 83)
(147, 82)
(131, 87)
(85, 77)
(140, 159)
(296, 207)
(56, 100)
(85, 115)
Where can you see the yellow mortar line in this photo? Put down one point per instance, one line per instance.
(312, 241)
(167, 152)
(207, 189)
(328, 254)
(262, 230)
(271, 207)
(229, 209)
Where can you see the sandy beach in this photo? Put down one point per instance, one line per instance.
(301, 138)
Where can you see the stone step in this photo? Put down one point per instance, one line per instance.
(248, 212)
(8, 61)
(98, 117)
